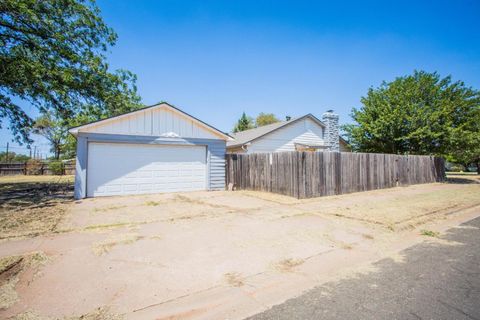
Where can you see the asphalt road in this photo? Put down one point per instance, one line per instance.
(435, 281)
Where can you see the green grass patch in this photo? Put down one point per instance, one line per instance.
(429, 233)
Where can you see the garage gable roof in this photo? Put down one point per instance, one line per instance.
(98, 123)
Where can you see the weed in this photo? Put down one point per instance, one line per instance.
(429, 233)
(287, 265)
(152, 203)
(104, 247)
(107, 226)
(234, 279)
(108, 208)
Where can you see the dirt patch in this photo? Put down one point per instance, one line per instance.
(397, 208)
(33, 205)
(10, 270)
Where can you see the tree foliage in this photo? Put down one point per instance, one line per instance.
(244, 123)
(264, 119)
(52, 56)
(13, 157)
(54, 130)
(418, 114)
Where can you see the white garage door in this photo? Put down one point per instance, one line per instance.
(119, 169)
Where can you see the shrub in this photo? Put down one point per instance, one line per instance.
(456, 168)
(34, 166)
(56, 167)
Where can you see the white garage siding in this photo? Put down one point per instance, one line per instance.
(215, 156)
(120, 169)
(154, 122)
(155, 149)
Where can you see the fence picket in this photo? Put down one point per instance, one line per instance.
(307, 174)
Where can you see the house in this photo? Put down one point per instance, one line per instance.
(305, 133)
(155, 149)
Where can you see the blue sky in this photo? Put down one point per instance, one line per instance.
(216, 59)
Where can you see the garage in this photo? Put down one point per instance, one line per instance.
(143, 169)
(151, 150)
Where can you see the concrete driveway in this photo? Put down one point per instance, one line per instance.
(210, 255)
(433, 282)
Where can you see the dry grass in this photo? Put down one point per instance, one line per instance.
(346, 246)
(152, 203)
(111, 208)
(107, 226)
(394, 207)
(5, 180)
(101, 248)
(33, 205)
(10, 269)
(102, 313)
(288, 265)
(234, 279)
(367, 236)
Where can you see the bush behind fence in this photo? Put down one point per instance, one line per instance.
(314, 174)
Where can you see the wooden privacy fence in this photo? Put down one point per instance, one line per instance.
(315, 174)
(34, 169)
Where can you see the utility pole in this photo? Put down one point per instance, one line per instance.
(34, 152)
(6, 160)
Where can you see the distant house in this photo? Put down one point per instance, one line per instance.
(306, 133)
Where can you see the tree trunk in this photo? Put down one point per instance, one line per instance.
(478, 166)
(57, 152)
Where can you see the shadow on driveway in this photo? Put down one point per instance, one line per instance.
(439, 280)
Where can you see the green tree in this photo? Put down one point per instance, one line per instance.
(13, 157)
(264, 119)
(418, 114)
(244, 123)
(465, 141)
(52, 56)
(54, 130)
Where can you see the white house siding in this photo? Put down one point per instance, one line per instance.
(306, 131)
(154, 122)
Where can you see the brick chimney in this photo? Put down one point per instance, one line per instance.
(331, 134)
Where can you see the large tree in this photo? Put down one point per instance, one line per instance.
(464, 144)
(52, 56)
(421, 113)
(264, 119)
(54, 130)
